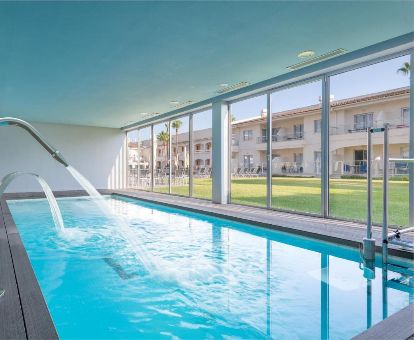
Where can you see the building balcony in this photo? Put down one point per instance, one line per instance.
(398, 134)
(351, 129)
(281, 138)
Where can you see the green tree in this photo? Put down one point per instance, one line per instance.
(164, 137)
(405, 69)
(176, 124)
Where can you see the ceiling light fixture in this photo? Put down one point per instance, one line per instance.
(232, 87)
(317, 59)
(306, 54)
(182, 104)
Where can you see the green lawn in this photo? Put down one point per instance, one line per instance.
(347, 196)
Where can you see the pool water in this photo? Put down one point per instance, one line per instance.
(159, 272)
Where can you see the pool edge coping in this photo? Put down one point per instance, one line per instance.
(36, 317)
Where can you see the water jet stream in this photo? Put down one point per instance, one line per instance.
(54, 208)
(124, 229)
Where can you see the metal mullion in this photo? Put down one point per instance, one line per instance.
(269, 154)
(191, 160)
(325, 146)
(169, 156)
(153, 150)
(230, 146)
(139, 159)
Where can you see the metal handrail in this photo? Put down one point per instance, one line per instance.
(36, 135)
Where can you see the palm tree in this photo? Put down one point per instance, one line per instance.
(176, 124)
(405, 69)
(164, 137)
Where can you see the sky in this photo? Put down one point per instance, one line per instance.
(374, 78)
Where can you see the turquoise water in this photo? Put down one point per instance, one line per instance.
(158, 272)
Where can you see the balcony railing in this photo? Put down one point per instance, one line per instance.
(281, 138)
(351, 128)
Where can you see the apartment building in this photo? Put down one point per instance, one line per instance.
(296, 139)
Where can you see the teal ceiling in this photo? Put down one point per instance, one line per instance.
(104, 63)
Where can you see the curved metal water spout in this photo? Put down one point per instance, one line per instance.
(36, 135)
(54, 208)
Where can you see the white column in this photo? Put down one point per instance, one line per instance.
(220, 166)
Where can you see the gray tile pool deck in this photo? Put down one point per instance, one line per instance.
(23, 310)
(24, 313)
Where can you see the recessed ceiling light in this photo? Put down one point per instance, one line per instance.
(306, 54)
(223, 85)
(317, 59)
(232, 87)
(177, 104)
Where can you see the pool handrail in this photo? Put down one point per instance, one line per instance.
(36, 135)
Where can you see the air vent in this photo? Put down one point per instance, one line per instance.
(146, 115)
(182, 104)
(232, 87)
(317, 59)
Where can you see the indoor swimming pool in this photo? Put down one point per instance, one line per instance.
(124, 268)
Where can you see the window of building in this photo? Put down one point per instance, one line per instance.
(198, 147)
(275, 132)
(317, 126)
(248, 161)
(208, 146)
(405, 152)
(405, 116)
(298, 158)
(363, 121)
(247, 135)
(207, 162)
(317, 155)
(298, 131)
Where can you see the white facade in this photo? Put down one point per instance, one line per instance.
(296, 141)
(98, 153)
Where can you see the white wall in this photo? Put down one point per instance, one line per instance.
(98, 153)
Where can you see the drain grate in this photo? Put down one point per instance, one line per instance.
(116, 266)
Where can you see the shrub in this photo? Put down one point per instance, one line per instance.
(392, 179)
(353, 177)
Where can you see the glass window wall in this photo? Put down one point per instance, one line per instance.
(369, 97)
(202, 155)
(296, 148)
(248, 151)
